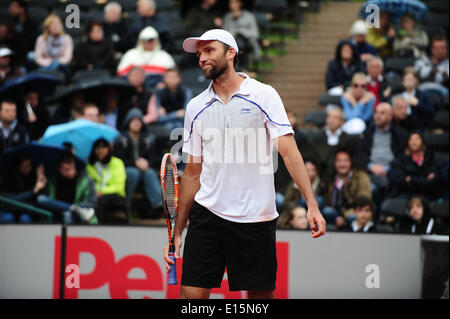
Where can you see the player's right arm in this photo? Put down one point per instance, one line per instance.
(189, 186)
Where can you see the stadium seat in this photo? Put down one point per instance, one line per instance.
(441, 157)
(83, 75)
(96, 15)
(438, 5)
(438, 142)
(326, 99)
(398, 64)
(127, 5)
(163, 5)
(441, 119)
(310, 134)
(438, 19)
(381, 228)
(439, 209)
(317, 118)
(38, 13)
(194, 79)
(49, 4)
(396, 207)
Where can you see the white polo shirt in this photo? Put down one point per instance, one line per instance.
(235, 140)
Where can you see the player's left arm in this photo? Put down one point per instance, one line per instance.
(296, 167)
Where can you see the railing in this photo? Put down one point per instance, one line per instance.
(26, 207)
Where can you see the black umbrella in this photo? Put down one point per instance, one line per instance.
(95, 89)
(44, 84)
(38, 153)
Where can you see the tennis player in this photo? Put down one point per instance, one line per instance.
(226, 193)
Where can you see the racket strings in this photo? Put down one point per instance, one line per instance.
(169, 189)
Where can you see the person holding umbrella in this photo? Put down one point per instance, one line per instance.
(381, 38)
(411, 40)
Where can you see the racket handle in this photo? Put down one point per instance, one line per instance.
(173, 270)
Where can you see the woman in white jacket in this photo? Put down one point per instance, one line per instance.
(147, 54)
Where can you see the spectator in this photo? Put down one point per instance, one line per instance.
(25, 26)
(134, 148)
(380, 144)
(20, 183)
(37, 116)
(12, 133)
(358, 33)
(415, 171)
(149, 18)
(332, 137)
(70, 109)
(115, 29)
(96, 52)
(345, 184)
(420, 104)
(7, 67)
(401, 118)
(243, 26)
(410, 40)
(433, 71)
(108, 174)
(69, 191)
(149, 56)
(376, 82)
(341, 70)
(113, 114)
(363, 210)
(143, 99)
(294, 218)
(203, 18)
(358, 105)
(420, 221)
(172, 99)
(91, 113)
(10, 39)
(54, 48)
(293, 195)
(381, 38)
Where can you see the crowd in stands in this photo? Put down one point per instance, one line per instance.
(374, 148)
(134, 42)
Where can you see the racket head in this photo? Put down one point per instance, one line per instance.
(169, 186)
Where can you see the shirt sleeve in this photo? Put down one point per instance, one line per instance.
(276, 121)
(192, 142)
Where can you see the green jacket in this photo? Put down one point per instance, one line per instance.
(112, 178)
(84, 193)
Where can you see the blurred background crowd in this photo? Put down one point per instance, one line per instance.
(86, 112)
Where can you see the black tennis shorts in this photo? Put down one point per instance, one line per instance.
(247, 250)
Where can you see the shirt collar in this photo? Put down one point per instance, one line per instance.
(244, 89)
(328, 132)
(11, 126)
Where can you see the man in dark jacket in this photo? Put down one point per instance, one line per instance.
(134, 148)
(363, 210)
(12, 133)
(69, 191)
(380, 144)
(345, 63)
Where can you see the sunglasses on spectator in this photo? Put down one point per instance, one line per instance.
(363, 86)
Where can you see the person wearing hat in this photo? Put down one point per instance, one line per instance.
(7, 69)
(358, 33)
(134, 147)
(148, 55)
(231, 203)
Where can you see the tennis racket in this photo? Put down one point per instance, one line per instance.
(169, 193)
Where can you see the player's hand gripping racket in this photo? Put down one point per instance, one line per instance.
(169, 193)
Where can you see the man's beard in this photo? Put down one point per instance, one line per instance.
(215, 72)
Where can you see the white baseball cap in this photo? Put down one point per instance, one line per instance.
(5, 52)
(190, 44)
